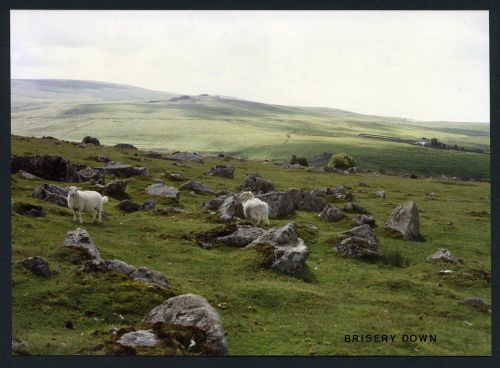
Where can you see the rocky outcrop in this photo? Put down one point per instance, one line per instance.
(142, 274)
(186, 156)
(116, 189)
(167, 211)
(197, 187)
(27, 209)
(282, 249)
(445, 256)
(224, 171)
(243, 236)
(313, 200)
(357, 242)
(212, 204)
(193, 310)
(91, 140)
(122, 170)
(95, 176)
(256, 185)
(27, 175)
(38, 265)
(363, 219)
(331, 213)
(81, 241)
(353, 207)
(128, 206)
(51, 193)
(405, 222)
(143, 338)
(148, 205)
(50, 167)
(161, 190)
(280, 204)
(231, 208)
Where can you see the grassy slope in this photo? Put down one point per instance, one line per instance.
(254, 130)
(267, 313)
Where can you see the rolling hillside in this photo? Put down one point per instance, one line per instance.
(212, 124)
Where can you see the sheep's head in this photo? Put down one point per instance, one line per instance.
(245, 196)
(73, 191)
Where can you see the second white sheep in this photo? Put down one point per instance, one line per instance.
(255, 210)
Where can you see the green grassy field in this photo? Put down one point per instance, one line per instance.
(211, 124)
(267, 313)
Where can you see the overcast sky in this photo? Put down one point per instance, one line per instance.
(429, 65)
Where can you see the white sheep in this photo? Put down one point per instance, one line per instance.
(86, 201)
(254, 209)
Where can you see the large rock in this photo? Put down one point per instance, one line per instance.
(444, 255)
(51, 193)
(116, 189)
(243, 236)
(280, 204)
(161, 190)
(38, 265)
(50, 167)
(405, 222)
(95, 176)
(313, 200)
(91, 140)
(197, 187)
(143, 338)
(331, 213)
(224, 171)
(357, 242)
(122, 170)
(148, 205)
(80, 240)
(212, 204)
(128, 206)
(186, 156)
(231, 208)
(148, 276)
(27, 175)
(283, 249)
(174, 176)
(256, 185)
(193, 311)
(353, 207)
(27, 209)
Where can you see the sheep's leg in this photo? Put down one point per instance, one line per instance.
(80, 216)
(74, 214)
(94, 215)
(100, 216)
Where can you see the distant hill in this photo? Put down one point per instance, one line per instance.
(70, 109)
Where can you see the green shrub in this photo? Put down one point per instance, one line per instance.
(342, 161)
(299, 160)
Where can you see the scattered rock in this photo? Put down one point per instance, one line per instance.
(144, 338)
(197, 187)
(345, 196)
(122, 170)
(148, 276)
(380, 194)
(31, 210)
(404, 221)
(205, 245)
(27, 175)
(38, 265)
(256, 185)
(152, 154)
(50, 167)
(186, 156)
(283, 249)
(243, 236)
(173, 176)
(19, 347)
(357, 242)
(116, 189)
(313, 200)
(477, 303)
(92, 175)
(167, 211)
(444, 255)
(148, 205)
(361, 184)
(69, 325)
(102, 159)
(353, 207)
(363, 219)
(331, 213)
(224, 171)
(212, 204)
(231, 208)
(128, 206)
(161, 190)
(280, 204)
(51, 193)
(193, 310)
(119, 266)
(125, 146)
(80, 240)
(90, 140)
